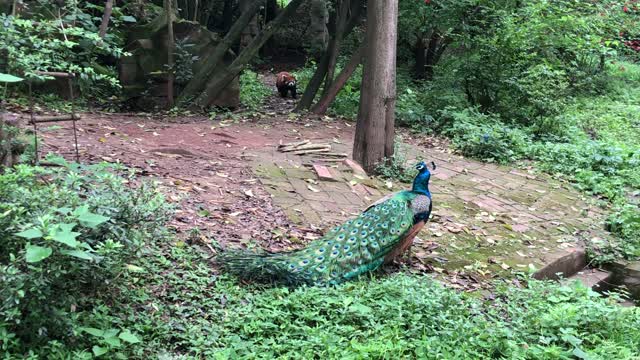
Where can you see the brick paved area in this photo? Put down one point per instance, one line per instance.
(487, 219)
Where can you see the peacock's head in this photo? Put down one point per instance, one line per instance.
(421, 182)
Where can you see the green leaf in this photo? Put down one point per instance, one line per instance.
(577, 352)
(134, 268)
(9, 78)
(113, 341)
(128, 18)
(79, 254)
(99, 350)
(32, 233)
(65, 235)
(91, 220)
(37, 253)
(93, 331)
(128, 337)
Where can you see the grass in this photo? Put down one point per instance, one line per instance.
(180, 309)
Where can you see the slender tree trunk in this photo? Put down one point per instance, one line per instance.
(227, 14)
(321, 70)
(108, 8)
(199, 80)
(195, 11)
(224, 76)
(420, 58)
(170, 53)
(323, 104)
(251, 29)
(342, 14)
(376, 119)
(430, 59)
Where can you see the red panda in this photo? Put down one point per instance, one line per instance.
(286, 82)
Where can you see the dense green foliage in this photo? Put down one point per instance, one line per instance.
(54, 38)
(178, 308)
(253, 91)
(67, 235)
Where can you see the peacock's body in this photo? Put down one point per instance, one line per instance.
(382, 232)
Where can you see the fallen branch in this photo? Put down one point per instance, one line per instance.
(305, 147)
(281, 145)
(310, 151)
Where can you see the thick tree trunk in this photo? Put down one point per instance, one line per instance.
(108, 8)
(224, 76)
(323, 104)
(170, 53)
(321, 70)
(199, 80)
(376, 121)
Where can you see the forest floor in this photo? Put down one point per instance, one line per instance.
(232, 187)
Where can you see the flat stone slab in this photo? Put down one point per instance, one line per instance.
(487, 220)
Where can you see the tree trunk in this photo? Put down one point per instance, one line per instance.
(251, 29)
(321, 70)
(420, 58)
(170, 53)
(199, 80)
(323, 104)
(376, 121)
(227, 14)
(431, 55)
(342, 14)
(108, 7)
(224, 75)
(195, 11)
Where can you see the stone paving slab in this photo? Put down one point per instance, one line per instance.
(487, 219)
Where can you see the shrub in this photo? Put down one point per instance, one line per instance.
(252, 90)
(66, 235)
(483, 136)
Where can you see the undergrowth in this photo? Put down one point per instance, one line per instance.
(252, 90)
(67, 236)
(180, 309)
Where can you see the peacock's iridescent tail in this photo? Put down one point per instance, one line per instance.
(357, 246)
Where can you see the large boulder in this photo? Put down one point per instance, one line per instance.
(143, 74)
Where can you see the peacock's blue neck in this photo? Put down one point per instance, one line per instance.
(421, 183)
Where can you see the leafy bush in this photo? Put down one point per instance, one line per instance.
(483, 136)
(252, 90)
(66, 235)
(397, 167)
(44, 45)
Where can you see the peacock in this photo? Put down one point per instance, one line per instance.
(381, 232)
